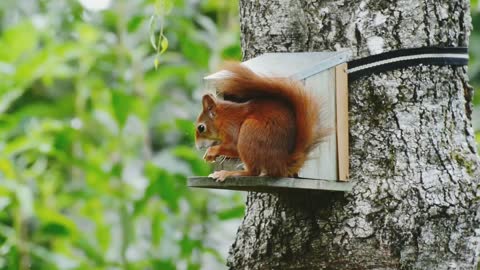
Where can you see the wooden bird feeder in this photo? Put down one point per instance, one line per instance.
(325, 74)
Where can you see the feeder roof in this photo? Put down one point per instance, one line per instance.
(297, 66)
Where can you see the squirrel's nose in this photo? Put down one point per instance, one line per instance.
(201, 128)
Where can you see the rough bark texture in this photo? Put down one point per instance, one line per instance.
(413, 157)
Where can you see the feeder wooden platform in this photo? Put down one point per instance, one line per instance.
(268, 184)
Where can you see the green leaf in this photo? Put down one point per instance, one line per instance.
(187, 245)
(63, 140)
(163, 265)
(194, 50)
(134, 23)
(7, 169)
(20, 39)
(232, 52)
(121, 103)
(56, 221)
(193, 266)
(232, 213)
(163, 44)
(55, 230)
(157, 228)
(151, 27)
(186, 127)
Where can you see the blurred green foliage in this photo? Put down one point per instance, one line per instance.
(95, 144)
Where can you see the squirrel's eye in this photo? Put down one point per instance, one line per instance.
(201, 128)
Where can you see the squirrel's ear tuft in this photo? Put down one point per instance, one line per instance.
(208, 102)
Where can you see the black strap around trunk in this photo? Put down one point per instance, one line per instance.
(457, 56)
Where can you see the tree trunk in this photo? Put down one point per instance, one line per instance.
(413, 160)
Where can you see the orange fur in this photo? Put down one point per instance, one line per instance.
(272, 129)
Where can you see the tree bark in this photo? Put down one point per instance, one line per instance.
(413, 157)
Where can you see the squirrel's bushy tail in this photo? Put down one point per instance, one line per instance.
(244, 84)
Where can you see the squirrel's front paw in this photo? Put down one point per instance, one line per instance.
(219, 176)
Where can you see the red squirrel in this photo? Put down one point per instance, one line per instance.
(271, 126)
